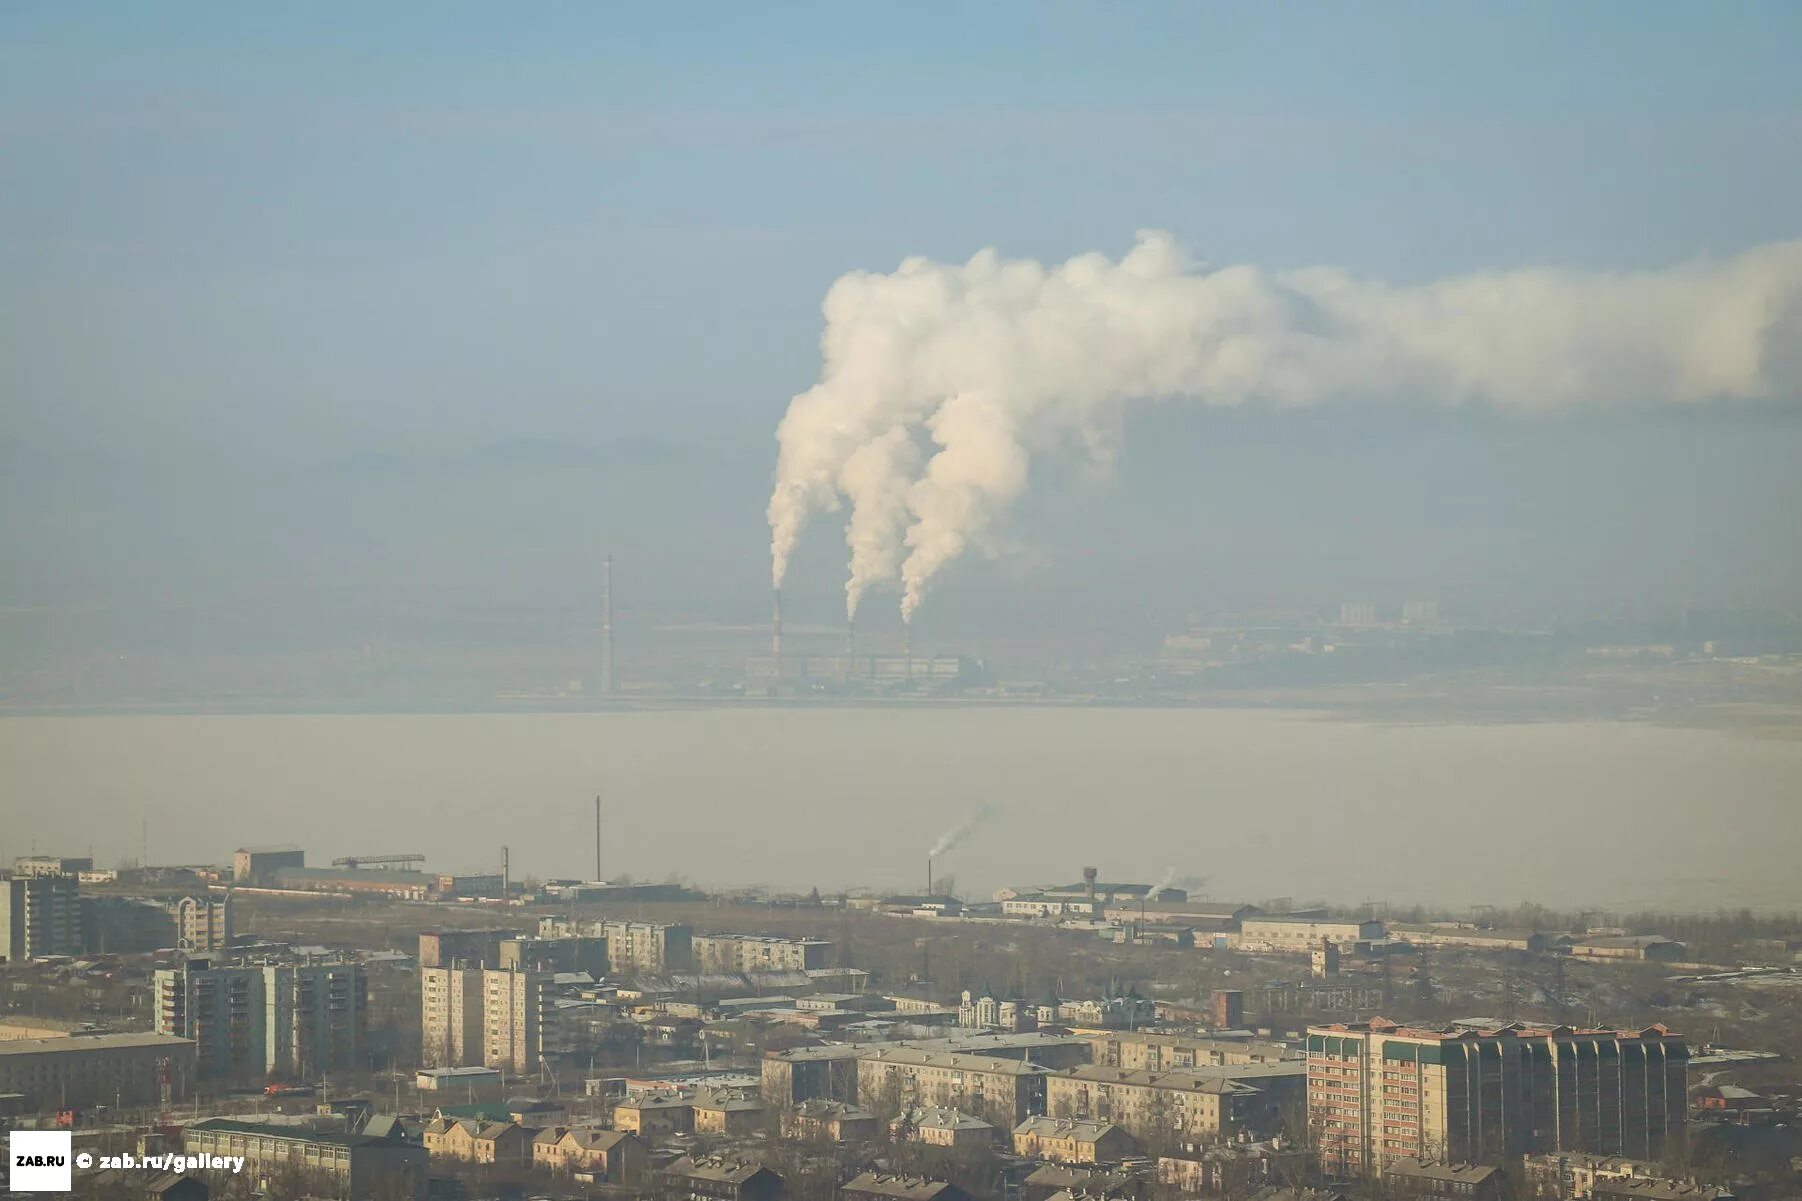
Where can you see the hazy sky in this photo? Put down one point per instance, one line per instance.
(414, 301)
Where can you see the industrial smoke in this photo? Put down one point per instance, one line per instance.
(942, 383)
(957, 833)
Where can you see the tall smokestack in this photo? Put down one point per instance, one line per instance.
(607, 682)
(850, 648)
(929, 875)
(506, 872)
(597, 839)
(776, 633)
(907, 646)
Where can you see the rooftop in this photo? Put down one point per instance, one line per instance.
(297, 1134)
(89, 1042)
(911, 1188)
(1451, 1173)
(1378, 1025)
(1082, 1129)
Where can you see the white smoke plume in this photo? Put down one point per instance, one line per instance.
(1164, 881)
(941, 382)
(957, 833)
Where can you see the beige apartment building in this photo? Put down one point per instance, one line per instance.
(1003, 1092)
(203, 923)
(1200, 1104)
(1379, 1092)
(518, 1012)
(1072, 1140)
(451, 1027)
(647, 946)
(758, 953)
(486, 1017)
(1178, 1052)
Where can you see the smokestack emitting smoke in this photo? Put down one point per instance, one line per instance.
(941, 382)
(960, 831)
(776, 631)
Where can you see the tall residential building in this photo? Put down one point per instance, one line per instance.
(757, 953)
(519, 1013)
(1379, 1092)
(282, 1019)
(314, 1018)
(40, 916)
(220, 1008)
(450, 1026)
(444, 948)
(203, 923)
(646, 946)
(487, 1017)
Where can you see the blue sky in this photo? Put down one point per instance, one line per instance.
(349, 204)
(298, 235)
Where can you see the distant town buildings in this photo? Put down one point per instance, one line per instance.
(1303, 934)
(258, 865)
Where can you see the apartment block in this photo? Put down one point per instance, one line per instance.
(40, 917)
(1380, 1092)
(1176, 1052)
(450, 1027)
(518, 1013)
(470, 948)
(1003, 1092)
(1202, 1104)
(203, 923)
(646, 946)
(758, 953)
(314, 1018)
(281, 1019)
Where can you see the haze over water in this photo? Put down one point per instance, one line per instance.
(1261, 804)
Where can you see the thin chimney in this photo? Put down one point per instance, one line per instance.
(607, 681)
(776, 632)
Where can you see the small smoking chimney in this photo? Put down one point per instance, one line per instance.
(776, 632)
